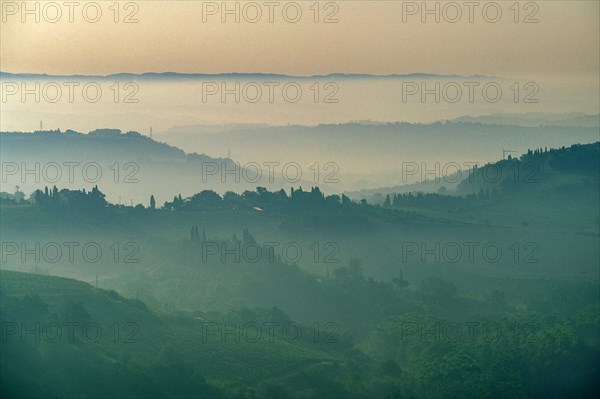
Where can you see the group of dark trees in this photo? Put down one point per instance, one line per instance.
(439, 202)
(69, 199)
(12, 199)
(536, 166)
(577, 158)
(501, 179)
(260, 200)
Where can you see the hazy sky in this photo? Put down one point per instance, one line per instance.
(369, 37)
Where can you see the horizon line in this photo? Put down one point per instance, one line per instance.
(201, 74)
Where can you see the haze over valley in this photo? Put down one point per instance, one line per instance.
(325, 199)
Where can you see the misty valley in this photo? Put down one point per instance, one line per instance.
(299, 199)
(436, 290)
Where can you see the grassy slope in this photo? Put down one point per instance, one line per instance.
(226, 364)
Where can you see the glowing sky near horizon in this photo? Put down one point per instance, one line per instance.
(369, 37)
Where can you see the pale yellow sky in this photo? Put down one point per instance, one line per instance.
(369, 37)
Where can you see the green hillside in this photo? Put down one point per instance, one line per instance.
(141, 352)
(372, 287)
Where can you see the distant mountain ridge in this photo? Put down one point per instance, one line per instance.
(238, 75)
(536, 119)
